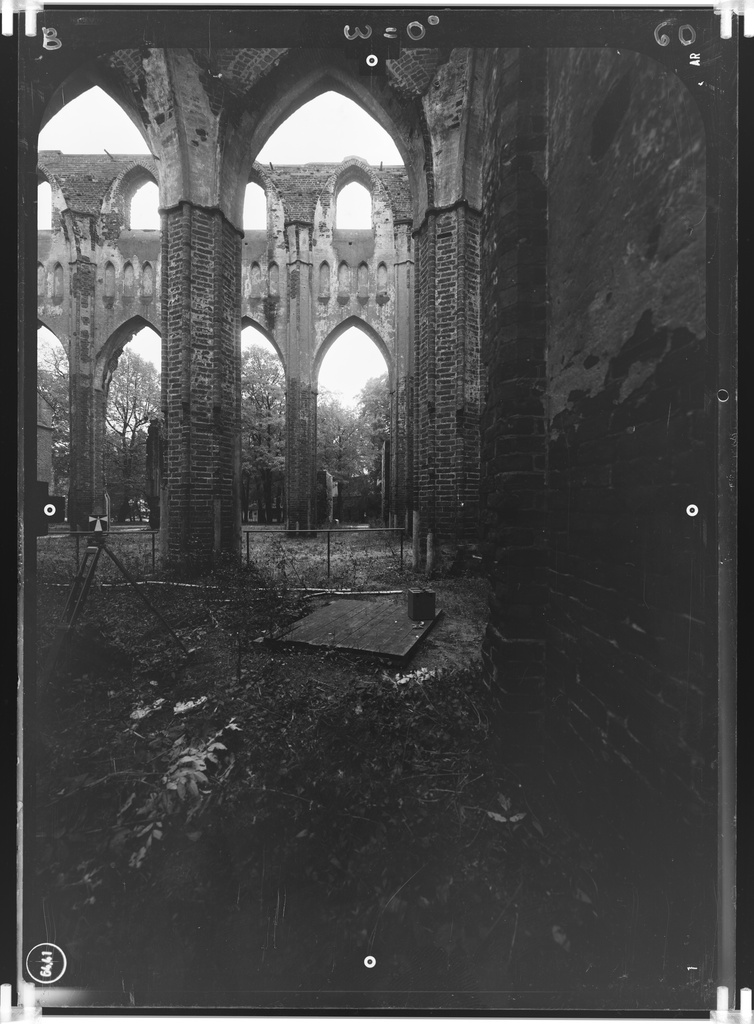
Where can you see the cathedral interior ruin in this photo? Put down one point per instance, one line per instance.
(536, 278)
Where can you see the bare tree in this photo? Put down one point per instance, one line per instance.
(133, 400)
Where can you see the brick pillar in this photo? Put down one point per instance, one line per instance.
(400, 423)
(201, 271)
(301, 445)
(301, 406)
(87, 410)
(446, 375)
(514, 249)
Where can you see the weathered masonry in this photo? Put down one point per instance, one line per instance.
(302, 283)
(537, 283)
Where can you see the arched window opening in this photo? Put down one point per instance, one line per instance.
(144, 208)
(353, 209)
(147, 282)
(109, 282)
(108, 127)
(133, 403)
(41, 281)
(53, 429)
(128, 281)
(44, 206)
(353, 426)
(263, 429)
(254, 208)
(147, 344)
(307, 136)
(352, 360)
(57, 284)
(324, 280)
(251, 335)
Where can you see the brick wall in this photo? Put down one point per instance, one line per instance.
(596, 436)
(630, 437)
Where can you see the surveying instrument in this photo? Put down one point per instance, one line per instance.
(98, 526)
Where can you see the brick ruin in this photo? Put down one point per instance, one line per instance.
(536, 281)
(301, 285)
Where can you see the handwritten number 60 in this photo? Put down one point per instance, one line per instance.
(686, 34)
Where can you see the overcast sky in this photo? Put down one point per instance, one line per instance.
(93, 123)
(325, 130)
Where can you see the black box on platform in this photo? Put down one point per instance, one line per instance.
(421, 604)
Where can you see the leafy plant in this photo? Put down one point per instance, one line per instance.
(182, 793)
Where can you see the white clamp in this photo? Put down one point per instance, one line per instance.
(27, 1008)
(727, 1016)
(31, 8)
(742, 9)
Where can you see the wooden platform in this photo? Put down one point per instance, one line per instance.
(381, 628)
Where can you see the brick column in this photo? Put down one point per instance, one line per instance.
(400, 424)
(301, 406)
(201, 270)
(301, 445)
(514, 241)
(446, 375)
(87, 410)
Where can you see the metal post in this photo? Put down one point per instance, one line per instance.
(401, 550)
(328, 554)
(152, 551)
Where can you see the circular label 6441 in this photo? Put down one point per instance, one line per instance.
(46, 963)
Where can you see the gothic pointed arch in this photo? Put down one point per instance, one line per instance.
(128, 181)
(365, 328)
(352, 170)
(55, 332)
(108, 74)
(247, 321)
(290, 85)
(113, 347)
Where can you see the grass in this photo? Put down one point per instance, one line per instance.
(359, 559)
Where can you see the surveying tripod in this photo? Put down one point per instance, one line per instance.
(77, 599)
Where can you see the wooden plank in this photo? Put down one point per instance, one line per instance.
(362, 628)
(368, 627)
(329, 620)
(379, 632)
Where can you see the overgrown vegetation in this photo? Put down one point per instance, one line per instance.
(243, 825)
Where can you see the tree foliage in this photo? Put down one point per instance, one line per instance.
(133, 400)
(342, 442)
(263, 431)
(349, 445)
(374, 411)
